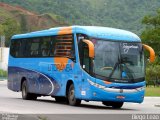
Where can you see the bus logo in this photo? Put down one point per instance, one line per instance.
(127, 47)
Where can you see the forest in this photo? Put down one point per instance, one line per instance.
(123, 14)
(139, 16)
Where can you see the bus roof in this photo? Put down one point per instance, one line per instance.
(93, 31)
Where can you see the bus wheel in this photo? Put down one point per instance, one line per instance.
(60, 99)
(115, 105)
(25, 94)
(71, 97)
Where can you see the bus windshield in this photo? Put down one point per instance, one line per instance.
(119, 61)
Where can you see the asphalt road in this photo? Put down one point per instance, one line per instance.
(11, 102)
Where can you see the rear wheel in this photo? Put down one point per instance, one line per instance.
(71, 96)
(25, 94)
(115, 105)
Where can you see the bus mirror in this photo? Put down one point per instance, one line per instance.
(91, 47)
(151, 51)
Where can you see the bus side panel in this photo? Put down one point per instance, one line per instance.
(77, 81)
(13, 80)
(13, 76)
(63, 76)
(82, 86)
(86, 91)
(37, 82)
(40, 79)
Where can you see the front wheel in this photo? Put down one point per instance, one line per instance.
(115, 105)
(71, 97)
(25, 94)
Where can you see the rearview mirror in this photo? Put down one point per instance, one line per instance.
(91, 47)
(151, 51)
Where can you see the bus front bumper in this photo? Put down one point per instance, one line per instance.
(101, 93)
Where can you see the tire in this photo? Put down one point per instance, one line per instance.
(25, 94)
(115, 105)
(71, 97)
(60, 99)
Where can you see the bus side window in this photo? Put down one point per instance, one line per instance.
(12, 48)
(32, 47)
(63, 46)
(45, 45)
(16, 48)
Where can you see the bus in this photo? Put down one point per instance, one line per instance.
(76, 63)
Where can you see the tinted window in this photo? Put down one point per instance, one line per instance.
(16, 48)
(63, 46)
(60, 46)
(32, 48)
(45, 46)
(85, 60)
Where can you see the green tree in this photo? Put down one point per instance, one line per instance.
(151, 34)
(123, 14)
(1, 30)
(10, 27)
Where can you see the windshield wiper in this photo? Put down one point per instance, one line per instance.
(114, 68)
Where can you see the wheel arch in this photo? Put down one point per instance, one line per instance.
(69, 82)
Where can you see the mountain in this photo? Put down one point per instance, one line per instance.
(16, 20)
(123, 14)
(29, 21)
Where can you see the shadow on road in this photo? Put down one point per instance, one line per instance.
(88, 106)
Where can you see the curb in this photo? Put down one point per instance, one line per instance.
(3, 80)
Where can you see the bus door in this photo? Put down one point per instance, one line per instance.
(86, 64)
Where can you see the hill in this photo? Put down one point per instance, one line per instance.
(16, 19)
(29, 21)
(124, 14)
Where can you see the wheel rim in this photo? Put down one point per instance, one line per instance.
(72, 100)
(24, 91)
(71, 96)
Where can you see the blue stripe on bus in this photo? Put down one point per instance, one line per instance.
(38, 82)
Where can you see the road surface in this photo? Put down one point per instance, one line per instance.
(11, 102)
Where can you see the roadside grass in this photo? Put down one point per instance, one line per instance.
(3, 74)
(153, 91)
(42, 118)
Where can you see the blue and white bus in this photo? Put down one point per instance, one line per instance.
(79, 63)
